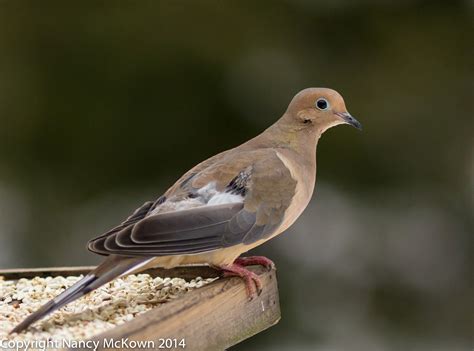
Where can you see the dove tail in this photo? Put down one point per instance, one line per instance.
(111, 268)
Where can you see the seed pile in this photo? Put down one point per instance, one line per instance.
(112, 304)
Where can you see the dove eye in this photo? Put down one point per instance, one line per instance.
(322, 104)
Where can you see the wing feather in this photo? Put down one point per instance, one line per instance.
(266, 186)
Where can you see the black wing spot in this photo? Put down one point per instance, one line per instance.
(187, 180)
(238, 185)
(157, 203)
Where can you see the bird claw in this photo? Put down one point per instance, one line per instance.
(252, 281)
(255, 261)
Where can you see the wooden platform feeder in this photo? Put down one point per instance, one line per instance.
(213, 317)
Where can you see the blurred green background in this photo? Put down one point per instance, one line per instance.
(103, 104)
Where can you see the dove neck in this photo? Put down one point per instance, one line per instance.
(285, 135)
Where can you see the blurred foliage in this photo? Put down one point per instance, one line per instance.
(103, 104)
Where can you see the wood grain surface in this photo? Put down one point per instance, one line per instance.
(213, 317)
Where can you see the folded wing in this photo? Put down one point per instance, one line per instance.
(265, 187)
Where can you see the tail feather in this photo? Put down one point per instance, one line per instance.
(111, 268)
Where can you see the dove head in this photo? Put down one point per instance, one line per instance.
(318, 109)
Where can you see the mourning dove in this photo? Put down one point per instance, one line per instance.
(222, 207)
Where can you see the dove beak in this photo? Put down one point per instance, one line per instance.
(347, 118)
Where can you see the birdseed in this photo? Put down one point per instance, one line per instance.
(112, 304)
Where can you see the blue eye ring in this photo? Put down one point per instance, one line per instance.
(322, 104)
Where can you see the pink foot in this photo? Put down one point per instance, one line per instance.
(252, 281)
(255, 261)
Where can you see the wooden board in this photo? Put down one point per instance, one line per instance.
(213, 317)
(185, 272)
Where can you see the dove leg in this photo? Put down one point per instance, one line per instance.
(255, 261)
(252, 281)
